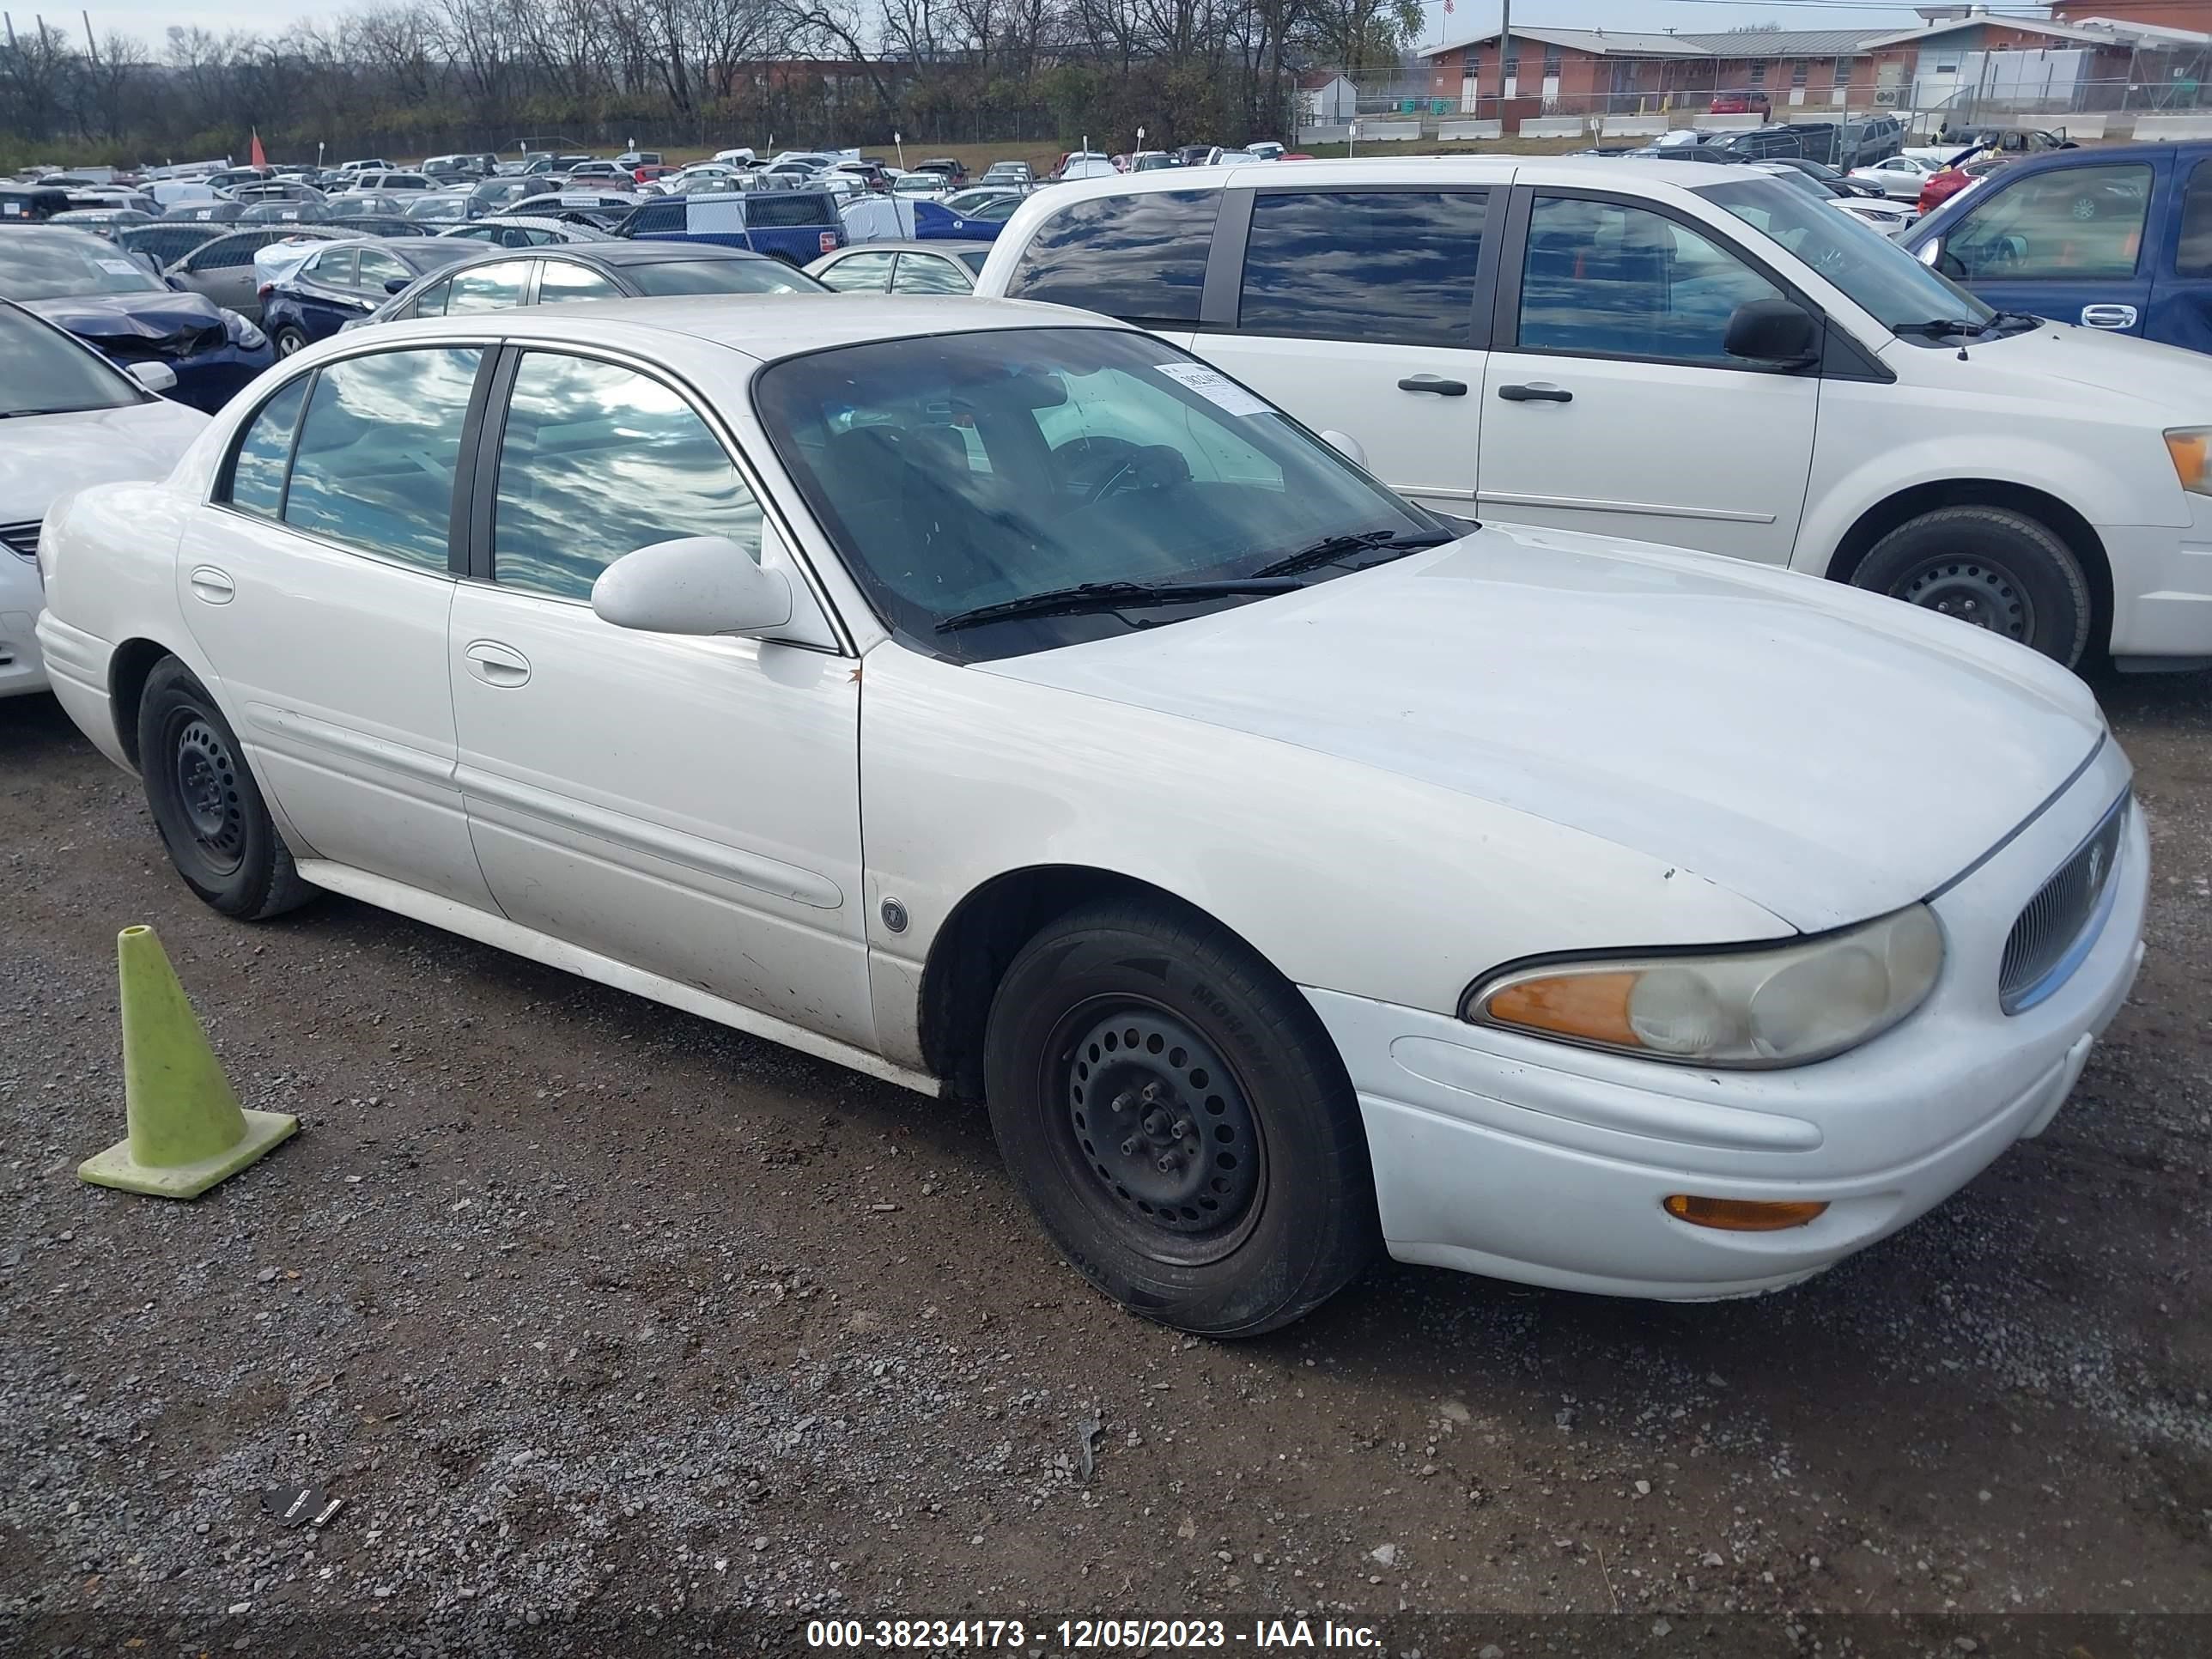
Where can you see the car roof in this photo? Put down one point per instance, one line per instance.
(780, 325)
(619, 252)
(939, 244)
(1597, 171)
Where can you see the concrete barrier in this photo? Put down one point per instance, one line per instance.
(2085, 126)
(1471, 129)
(1387, 132)
(1631, 126)
(2172, 129)
(1552, 126)
(1728, 123)
(1324, 135)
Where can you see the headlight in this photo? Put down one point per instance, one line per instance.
(2190, 446)
(1784, 1006)
(243, 332)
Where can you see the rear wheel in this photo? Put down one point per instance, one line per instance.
(289, 340)
(1989, 566)
(205, 802)
(1177, 1118)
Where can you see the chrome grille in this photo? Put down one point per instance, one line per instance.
(2040, 952)
(21, 537)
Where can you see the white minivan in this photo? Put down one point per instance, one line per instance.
(1679, 353)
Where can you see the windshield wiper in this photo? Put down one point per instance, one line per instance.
(1332, 548)
(58, 409)
(1942, 328)
(1113, 596)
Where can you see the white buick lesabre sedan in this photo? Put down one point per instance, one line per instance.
(1001, 701)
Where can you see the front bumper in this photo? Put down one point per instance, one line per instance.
(1530, 1160)
(23, 666)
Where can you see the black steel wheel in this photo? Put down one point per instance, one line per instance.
(206, 804)
(1176, 1116)
(1992, 568)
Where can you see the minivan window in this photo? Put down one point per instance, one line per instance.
(2069, 223)
(1891, 286)
(1608, 279)
(1140, 256)
(1391, 266)
(596, 461)
(378, 449)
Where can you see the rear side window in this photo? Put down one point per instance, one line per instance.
(775, 212)
(1392, 266)
(257, 471)
(1140, 256)
(378, 451)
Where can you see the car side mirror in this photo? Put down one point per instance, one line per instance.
(1929, 252)
(154, 377)
(1346, 446)
(694, 585)
(394, 284)
(1771, 332)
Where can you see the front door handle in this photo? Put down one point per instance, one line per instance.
(212, 585)
(1535, 392)
(2108, 316)
(497, 664)
(1434, 383)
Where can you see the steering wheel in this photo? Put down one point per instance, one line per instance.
(1111, 458)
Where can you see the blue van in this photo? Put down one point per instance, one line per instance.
(2118, 238)
(795, 226)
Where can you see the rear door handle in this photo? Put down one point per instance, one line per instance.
(1536, 392)
(212, 585)
(2108, 316)
(1434, 383)
(497, 664)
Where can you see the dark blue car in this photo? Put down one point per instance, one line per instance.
(795, 226)
(2119, 239)
(343, 281)
(114, 302)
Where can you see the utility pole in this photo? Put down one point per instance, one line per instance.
(1504, 47)
(91, 51)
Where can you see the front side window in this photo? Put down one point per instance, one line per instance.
(257, 471)
(596, 461)
(380, 269)
(968, 470)
(431, 302)
(559, 283)
(229, 254)
(2192, 255)
(1141, 257)
(1608, 279)
(1395, 267)
(496, 287)
(335, 266)
(869, 273)
(2066, 224)
(378, 451)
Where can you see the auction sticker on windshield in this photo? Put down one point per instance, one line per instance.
(1215, 387)
(120, 267)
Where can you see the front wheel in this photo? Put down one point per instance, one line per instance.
(1989, 566)
(1177, 1118)
(206, 804)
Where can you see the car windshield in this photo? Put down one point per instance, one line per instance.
(721, 277)
(44, 372)
(1889, 284)
(55, 264)
(964, 471)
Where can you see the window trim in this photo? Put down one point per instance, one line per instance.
(475, 565)
(1505, 316)
(1484, 285)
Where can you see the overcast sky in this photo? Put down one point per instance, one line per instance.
(149, 22)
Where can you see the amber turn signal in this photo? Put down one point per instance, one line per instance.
(1742, 1215)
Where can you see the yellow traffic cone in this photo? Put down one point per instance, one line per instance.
(187, 1129)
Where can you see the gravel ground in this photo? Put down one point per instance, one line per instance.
(597, 1317)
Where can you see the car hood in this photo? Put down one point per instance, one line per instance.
(152, 315)
(1827, 754)
(2117, 366)
(45, 456)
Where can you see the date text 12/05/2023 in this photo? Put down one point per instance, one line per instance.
(1086, 1635)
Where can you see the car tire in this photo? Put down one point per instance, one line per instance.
(289, 340)
(1176, 1116)
(1989, 566)
(206, 804)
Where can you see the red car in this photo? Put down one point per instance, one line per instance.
(646, 175)
(1752, 102)
(1942, 186)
